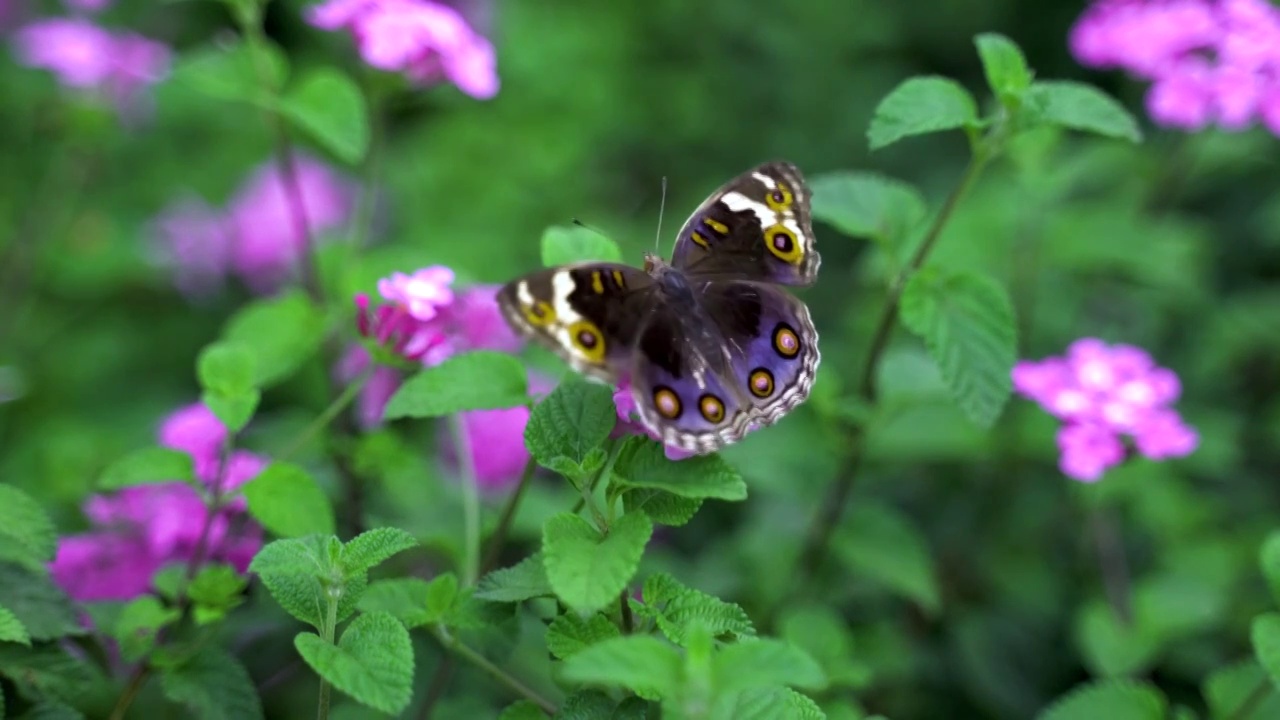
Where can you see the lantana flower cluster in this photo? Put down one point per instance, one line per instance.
(427, 41)
(1103, 394)
(140, 530)
(1209, 61)
(257, 236)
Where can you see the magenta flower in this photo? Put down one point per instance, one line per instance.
(495, 440)
(139, 530)
(87, 57)
(377, 391)
(194, 240)
(629, 423)
(424, 40)
(1209, 61)
(1103, 392)
(413, 323)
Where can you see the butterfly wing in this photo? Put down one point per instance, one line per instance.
(756, 227)
(590, 314)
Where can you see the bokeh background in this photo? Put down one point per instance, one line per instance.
(1172, 245)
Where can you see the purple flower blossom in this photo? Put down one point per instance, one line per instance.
(628, 423)
(139, 530)
(87, 57)
(1209, 61)
(495, 440)
(425, 40)
(1102, 392)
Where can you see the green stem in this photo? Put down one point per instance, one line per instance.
(499, 538)
(330, 631)
(1249, 705)
(339, 404)
(470, 503)
(466, 653)
(1112, 564)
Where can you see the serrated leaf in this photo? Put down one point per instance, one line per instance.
(523, 710)
(676, 608)
(1080, 106)
(287, 501)
(50, 710)
(867, 205)
(1266, 643)
(1269, 561)
(372, 662)
(1119, 699)
(40, 605)
(1004, 65)
(569, 633)
(215, 590)
(632, 708)
(766, 703)
(46, 671)
(403, 598)
(282, 332)
(372, 547)
(27, 535)
(967, 323)
(751, 663)
(226, 368)
(138, 623)
(922, 105)
(641, 463)
(636, 662)
(662, 507)
(565, 245)
(877, 542)
(522, 581)
(295, 573)
(571, 422)
(478, 380)
(11, 628)
(329, 106)
(214, 686)
(587, 705)
(588, 571)
(236, 73)
(148, 465)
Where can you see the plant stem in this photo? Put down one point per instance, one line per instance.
(624, 608)
(470, 503)
(330, 631)
(499, 538)
(131, 690)
(1260, 692)
(339, 404)
(454, 645)
(1112, 564)
(435, 690)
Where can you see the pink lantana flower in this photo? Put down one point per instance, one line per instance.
(84, 56)
(1209, 61)
(427, 41)
(1102, 393)
(139, 530)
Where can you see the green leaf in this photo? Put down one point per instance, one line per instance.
(523, 710)
(1269, 560)
(1004, 65)
(295, 572)
(522, 581)
(40, 605)
(139, 622)
(967, 324)
(588, 705)
(676, 608)
(282, 332)
(234, 411)
(373, 662)
(215, 590)
(1230, 690)
(27, 535)
(751, 663)
(50, 710)
(289, 502)
(922, 105)
(1266, 643)
(370, 548)
(766, 703)
(235, 73)
(867, 205)
(441, 597)
(12, 630)
(565, 245)
(214, 685)
(662, 507)
(573, 420)
(822, 633)
(641, 463)
(569, 633)
(479, 380)
(403, 598)
(635, 662)
(1118, 699)
(149, 465)
(877, 542)
(226, 369)
(1110, 647)
(46, 671)
(586, 570)
(1080, 106)
(329, 106)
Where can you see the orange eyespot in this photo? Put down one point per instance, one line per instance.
(761, 382)
(782, 243)
(711, 407)
(539, 313)
(667, 402)
(780, 198)
(586, 339)
(785, 341)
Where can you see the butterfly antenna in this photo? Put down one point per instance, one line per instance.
(662, 206)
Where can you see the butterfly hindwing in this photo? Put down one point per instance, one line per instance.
(756, 227)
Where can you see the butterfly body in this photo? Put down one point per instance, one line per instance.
(710, 343)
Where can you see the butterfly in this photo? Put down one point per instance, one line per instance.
(710, 342)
